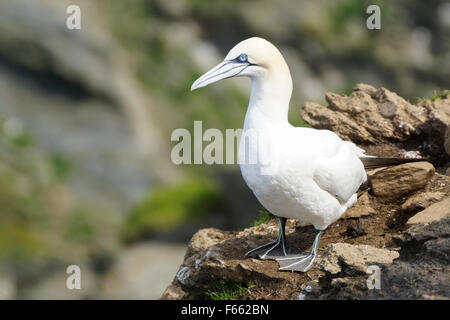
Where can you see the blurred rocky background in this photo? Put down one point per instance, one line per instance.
(86, 117)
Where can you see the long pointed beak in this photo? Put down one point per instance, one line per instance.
(224, 70)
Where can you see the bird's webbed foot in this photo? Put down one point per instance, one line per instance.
(300, 263)
(272, 250)
(275, 249)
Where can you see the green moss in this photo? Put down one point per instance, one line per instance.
(168, 207)
(80, 227)
(229, 290)
(264, 216)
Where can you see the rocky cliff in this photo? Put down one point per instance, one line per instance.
(400, 225)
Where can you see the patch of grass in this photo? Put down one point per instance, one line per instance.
(168, 207)
(440, 94)
(418, 100)
(437, 94)
(264, 216)
(229, 290)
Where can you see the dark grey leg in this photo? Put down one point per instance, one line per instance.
(301, 263)
(274, 249)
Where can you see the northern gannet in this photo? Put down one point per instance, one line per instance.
(301, 173)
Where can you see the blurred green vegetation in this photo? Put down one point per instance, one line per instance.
(80, 227)
(326, 44)
(39, 218)
(169, 207)
(62, 166)
(165, 66)
(263, 216)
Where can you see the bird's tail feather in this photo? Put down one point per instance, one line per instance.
(377, 162)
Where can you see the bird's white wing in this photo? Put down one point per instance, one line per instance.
(342, 173)
(337, 168)
(323, 142)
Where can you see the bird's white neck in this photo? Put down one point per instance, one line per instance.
(269, 98)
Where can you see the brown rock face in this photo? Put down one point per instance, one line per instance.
(395, 182)
(368, 115)
(358, 257)
(447, 140)
(372, 116)
(433, 213)
(422, 200)
(340, 272)
(205, 238)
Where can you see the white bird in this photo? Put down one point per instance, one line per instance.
(300, 173)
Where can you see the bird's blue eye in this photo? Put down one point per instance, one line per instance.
(243, 58)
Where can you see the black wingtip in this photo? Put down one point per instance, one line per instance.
(378, 162)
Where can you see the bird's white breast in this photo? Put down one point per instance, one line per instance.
(283, 177)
